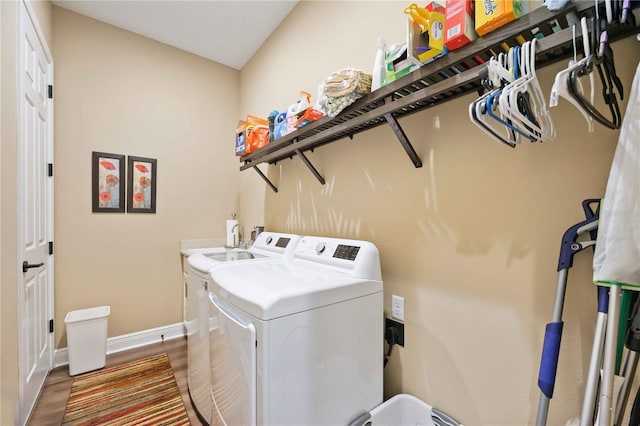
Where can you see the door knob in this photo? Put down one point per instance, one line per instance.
(26, 265)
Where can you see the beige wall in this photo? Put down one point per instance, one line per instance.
(121, 93)
(470, 240)
(44, 9)
(9, 16)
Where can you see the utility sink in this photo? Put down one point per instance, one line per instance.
(224, 254)
(208, 250)
(231, 255)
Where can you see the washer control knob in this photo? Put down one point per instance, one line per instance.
(320, 247)
(269, 240)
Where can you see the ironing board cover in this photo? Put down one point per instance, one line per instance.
(616, 260)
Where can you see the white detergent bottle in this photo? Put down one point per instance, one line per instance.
(379, 69)
(296, 110)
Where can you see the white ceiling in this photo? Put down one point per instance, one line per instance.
(228, 32)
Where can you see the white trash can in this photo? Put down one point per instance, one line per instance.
(87, 338)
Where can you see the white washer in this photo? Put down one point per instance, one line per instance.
(298, 342)
(268, 245)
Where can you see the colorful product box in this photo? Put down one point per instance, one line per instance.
(257, 137)
(459, 23)
(241, 138)
(426, 39)
(425, 33)
(492, 14)
(397, 63)
(251, 135)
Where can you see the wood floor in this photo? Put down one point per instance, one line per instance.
(53, 400)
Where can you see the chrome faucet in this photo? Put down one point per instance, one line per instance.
(236, 244)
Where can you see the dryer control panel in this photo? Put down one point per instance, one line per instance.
(275, 244)
(357, 258)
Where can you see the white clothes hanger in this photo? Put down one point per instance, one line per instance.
(523, 101)
(560, 88)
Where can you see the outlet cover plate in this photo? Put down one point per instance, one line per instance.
(397, 307)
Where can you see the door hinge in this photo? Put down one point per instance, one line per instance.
(50, 169)
(50, 91)
(50, 326)
(50, 247)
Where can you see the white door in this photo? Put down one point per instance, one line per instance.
(35, 212)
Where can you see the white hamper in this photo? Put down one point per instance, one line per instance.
(87, 338)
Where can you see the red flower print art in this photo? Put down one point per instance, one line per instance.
(142, 172)
(109, 183)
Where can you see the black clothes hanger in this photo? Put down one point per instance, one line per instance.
(603, 62)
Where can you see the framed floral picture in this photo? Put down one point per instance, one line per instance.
(108, 181)
(142, 173)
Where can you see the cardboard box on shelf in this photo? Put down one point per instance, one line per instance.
(425, 36)
(398, 63)
(251, 135)
(459, 23)
(492, 14)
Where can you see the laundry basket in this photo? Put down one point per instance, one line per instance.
(87, 338)
(405, 410)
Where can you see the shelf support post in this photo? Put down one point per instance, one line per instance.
(266, 179)
(402, 137)
(306, 161)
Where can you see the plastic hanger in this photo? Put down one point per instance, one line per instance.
(488, 113)
(502, 72)
(498, 99)
(476, 114)
(490, 79)
(560, 86)
(523, 101)
(604, 64)
(626, 15)
(491, 104)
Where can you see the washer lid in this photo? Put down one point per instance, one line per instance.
(268, 289)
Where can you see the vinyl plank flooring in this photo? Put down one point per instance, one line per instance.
(49, 409)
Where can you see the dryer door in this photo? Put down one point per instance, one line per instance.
(232, 349)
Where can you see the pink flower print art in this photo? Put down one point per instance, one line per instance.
(142, 187)
(109, 178)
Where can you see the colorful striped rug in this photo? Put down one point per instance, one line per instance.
(142, 392)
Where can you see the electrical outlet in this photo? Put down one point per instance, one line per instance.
(397, 307)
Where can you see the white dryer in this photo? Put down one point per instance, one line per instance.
(298, 342)
(268, 245)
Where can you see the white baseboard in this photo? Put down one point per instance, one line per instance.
(129, 341)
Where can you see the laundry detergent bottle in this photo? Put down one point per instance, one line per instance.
(297, 109)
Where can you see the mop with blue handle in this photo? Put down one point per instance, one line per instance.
(569, 247)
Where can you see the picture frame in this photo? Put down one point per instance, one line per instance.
(142, 174)
(107, 182)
